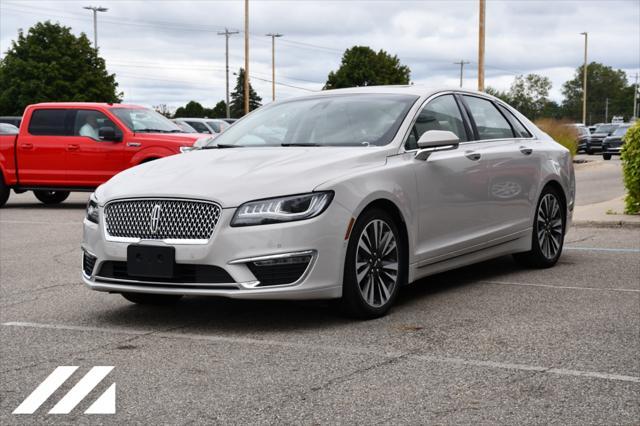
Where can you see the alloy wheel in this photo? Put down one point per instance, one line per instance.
(377, 263)
(549, 226)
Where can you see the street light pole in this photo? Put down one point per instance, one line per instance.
(273, 63)
(246, 57)
(462, 63)
(635, 98)
(226, 35)
(584, 81)
(95, 10)
(481, 47)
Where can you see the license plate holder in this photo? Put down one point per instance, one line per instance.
(150, 261)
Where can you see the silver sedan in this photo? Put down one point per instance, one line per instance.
(345, 194)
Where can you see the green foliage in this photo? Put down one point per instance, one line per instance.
(500, 94)
(361, 66)
(528, 94)
(561, 131)
(602, 82)
(49, 63)
(237, 97)
(631, 168)
(163, 109)
(218, 111)
(192, 109)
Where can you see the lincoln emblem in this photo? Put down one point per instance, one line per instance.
(154, 223)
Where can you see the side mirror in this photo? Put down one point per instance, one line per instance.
(109, 134)
(436, 140)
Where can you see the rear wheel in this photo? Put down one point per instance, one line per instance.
(51, 197)
(606, 156)
(152, 299)
(548, 232)
(373, 268)
(4, 192)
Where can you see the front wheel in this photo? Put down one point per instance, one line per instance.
(606, 156)
(152, 299)
(548, 232)
(51, 197)
(373, 269)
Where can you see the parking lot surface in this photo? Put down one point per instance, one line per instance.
(490, 343)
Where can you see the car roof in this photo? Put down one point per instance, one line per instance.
(84, 105)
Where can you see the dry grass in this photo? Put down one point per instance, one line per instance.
(561, 132)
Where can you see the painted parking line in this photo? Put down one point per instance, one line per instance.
(340, 349)
(614, 250)
(566, 287)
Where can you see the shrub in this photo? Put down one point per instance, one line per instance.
(561, 131)
(631, 168)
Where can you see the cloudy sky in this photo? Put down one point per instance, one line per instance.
(169, 51)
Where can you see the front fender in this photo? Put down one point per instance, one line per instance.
(150, 153)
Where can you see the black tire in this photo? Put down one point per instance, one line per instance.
(588, 151)
(606, 156)
(5, 191)
(51, 197)
(353, 301)
(541, 255)
(152, 299)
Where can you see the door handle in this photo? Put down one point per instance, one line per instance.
(525, 150)
(134, 144)
(474, 156)
(73, 147)
(26, 146)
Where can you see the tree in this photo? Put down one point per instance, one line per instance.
(218, 111)
(49, 63)
(603, 82)
(498, 94)
(361, 66)
(163, 109)
(192, 109)
(237, 97)
(530, 94)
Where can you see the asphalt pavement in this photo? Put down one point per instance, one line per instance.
(598, 180)
(490, 344)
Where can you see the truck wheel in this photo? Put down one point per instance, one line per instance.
(606, 156)
(51, 197)
(4, 192)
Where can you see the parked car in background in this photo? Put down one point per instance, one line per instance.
(583, 136)
(612, 145)
(617, 119)
(230, 120)
(184, 126)
(14, 120)
(211, 126)
(595, 141)
(63, 147)
(8, 129)
(345, 194)
(593, 127)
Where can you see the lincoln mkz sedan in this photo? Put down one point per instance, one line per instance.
(345, 194)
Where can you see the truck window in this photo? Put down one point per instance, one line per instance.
(49, 122)
(88, 123)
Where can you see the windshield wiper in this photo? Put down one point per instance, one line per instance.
(221, 146)
(301, 144)
(152, 131)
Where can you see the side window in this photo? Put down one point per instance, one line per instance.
(442, 113)
(89, 122)
(200, 127)
(518, 127)
(215, 126)
(49, 122)
(489, 122)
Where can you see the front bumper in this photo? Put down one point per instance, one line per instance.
(232, 249)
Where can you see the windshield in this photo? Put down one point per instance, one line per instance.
(340, 120)
(606, 128)
(145, 120)
(620, 131)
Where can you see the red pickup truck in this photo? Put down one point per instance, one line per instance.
(63, 147)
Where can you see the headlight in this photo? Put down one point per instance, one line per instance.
(282, 209)
(93, 214)
(184, 149)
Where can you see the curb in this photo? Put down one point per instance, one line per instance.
(621, 224)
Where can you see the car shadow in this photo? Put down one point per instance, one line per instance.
(210, 315)
(40, 206)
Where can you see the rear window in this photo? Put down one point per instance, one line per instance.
(489, 122)
(49, 122)
(518, 127)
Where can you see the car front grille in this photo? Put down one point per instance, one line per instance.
(161, 219)
(183, 273)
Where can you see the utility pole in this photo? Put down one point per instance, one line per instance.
(635, 98)
(273, 63)
(246, 57)
(95, 10)
(481, 47)
(462, 63)
(226, 35)
(606, 110)
(584, 81)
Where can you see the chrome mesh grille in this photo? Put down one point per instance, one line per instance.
(173, 219)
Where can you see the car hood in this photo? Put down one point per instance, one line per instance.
(232, 176)
(181, 138)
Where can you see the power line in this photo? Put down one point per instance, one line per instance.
(462, 63)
